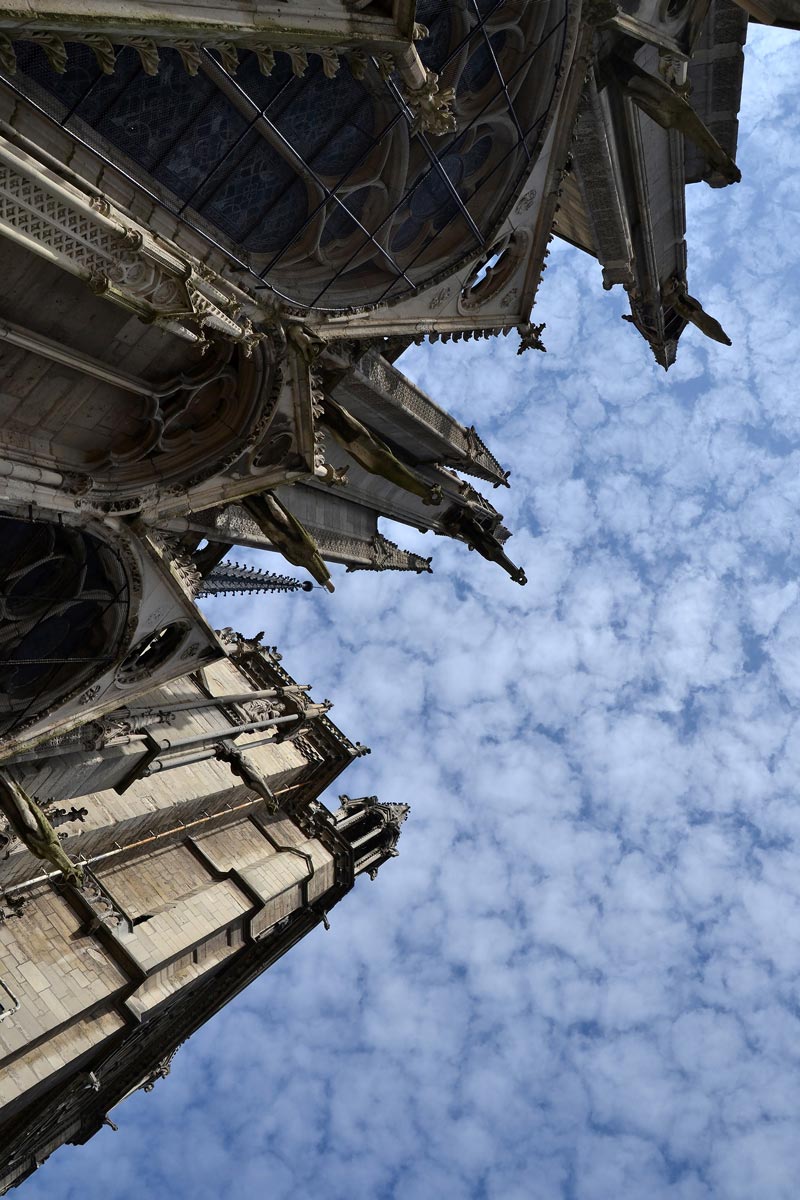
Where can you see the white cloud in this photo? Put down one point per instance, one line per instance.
(581, 979)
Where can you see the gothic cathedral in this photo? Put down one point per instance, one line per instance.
(220, 227)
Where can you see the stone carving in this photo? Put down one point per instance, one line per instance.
(385, 62)
(161, 1072)
(360, 555)
(151, 652)
(470, 453)
(373, 454)
(237, 644)
(116, 257)
(182, 563)
(306, 341)
(494, 270)
(358, 63)
(263, 710)
(287, 535)
(64, 816)
(279, 448)
(530, 337)
(439, 297)
(670, 109)
(243, 767)
(106, 910)
(33, 829)
(432, 106)
(314, 817)
(185, 568)
(464, 335)
(308, 749)
(190, 55)
(307, 713)
(96, 735)
(692, 311)
(11, 906)
(56, 48)
(470, 525)
(478, 452)
(386, 556)
(143, 717)
(333, 476)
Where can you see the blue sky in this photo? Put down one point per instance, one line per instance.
(581, 978)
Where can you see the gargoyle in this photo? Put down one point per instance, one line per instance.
(669, 109)
(34, 830)
(692, 311)
(461, 523)
(287, 535)
(373, 454)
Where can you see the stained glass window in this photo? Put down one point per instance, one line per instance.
(322, 186)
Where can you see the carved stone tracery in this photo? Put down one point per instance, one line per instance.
(182, 431)
(64, 608)
(359, 214)
(114, 255)
(494, 270)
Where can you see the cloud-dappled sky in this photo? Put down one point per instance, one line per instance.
(581, 978)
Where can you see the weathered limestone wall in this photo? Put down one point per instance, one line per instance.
(65, 984)
(70, 982)
(158, 807)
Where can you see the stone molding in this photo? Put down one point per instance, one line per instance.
(268, 23)
(87, 236)
(347, 34)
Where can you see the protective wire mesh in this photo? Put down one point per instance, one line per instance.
(324, 188)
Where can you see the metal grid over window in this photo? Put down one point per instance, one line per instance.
(322, 187)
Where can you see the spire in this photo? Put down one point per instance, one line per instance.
(238, 580)
(372, 829)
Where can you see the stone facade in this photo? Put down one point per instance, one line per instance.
(187, 254)
(196, 852)
(220, 226)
